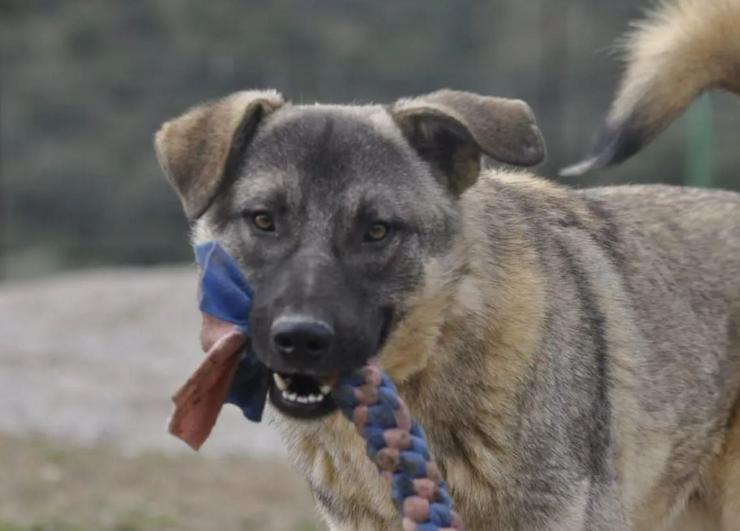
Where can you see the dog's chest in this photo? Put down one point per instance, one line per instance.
(346, 485)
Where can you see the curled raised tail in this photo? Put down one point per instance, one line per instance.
(683, 48)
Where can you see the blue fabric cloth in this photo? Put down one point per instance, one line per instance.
(226, 295)
(224, 292)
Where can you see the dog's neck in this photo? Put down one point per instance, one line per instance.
(493, 301)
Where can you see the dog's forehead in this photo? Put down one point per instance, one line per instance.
(331, 142)
(309, 120)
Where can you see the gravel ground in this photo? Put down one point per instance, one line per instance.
(94, 356)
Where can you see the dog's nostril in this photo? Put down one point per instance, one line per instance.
(284, 342)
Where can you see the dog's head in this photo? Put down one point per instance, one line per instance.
(332, 212)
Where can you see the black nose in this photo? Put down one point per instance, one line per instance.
(301, 340)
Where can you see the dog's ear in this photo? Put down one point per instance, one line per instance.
(199, 150)
(452, 129)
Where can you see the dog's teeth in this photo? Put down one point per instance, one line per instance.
(325, 389)
(285, 395)
(318, 398)
(281, 382)
(292, 397)
(302, 400)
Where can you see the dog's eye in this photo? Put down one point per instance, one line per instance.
(263, 222)
(376, 232)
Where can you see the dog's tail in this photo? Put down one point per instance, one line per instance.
(681, 49)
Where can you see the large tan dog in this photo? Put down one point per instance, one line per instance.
(574, 356)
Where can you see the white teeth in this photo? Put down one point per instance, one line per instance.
(281, 382)
(309, 399)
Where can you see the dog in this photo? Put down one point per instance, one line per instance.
(682, 49)
(573, 355)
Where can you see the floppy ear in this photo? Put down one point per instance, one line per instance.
(199, 150)
(452, 129)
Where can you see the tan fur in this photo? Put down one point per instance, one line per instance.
(719, 509)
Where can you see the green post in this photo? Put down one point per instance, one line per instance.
(700, 143)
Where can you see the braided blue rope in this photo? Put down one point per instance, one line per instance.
(397, 445)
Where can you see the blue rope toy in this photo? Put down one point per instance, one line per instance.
(397, 445)
(368, 398)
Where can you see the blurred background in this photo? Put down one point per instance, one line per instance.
(97, 320)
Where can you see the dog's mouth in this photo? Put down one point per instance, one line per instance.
(309, 396)
(302, 395)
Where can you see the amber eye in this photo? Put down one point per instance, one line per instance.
(263, 222)
(376, 232)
